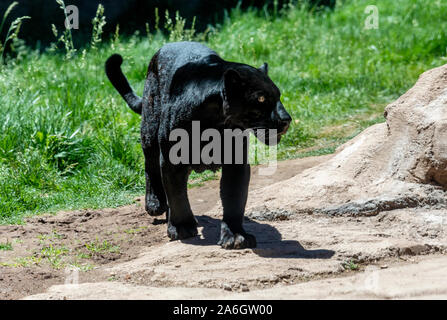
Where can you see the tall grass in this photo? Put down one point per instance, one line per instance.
(13, 31)
(68, 141)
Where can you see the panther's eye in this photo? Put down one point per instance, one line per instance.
(261, 99)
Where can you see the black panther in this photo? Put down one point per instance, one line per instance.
(186, 82)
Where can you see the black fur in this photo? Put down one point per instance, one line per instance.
(119, 81)
(186, 81)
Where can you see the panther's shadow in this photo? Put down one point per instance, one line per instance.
(269, 240)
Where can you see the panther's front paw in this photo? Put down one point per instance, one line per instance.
(182, 231)
(154, 207)
(228, 240)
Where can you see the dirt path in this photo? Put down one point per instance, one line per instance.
(123, 253)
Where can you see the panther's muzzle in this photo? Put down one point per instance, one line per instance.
(282, 118)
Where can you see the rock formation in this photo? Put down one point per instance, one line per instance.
(398, 164)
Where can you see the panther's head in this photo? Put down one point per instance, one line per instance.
(252, 101)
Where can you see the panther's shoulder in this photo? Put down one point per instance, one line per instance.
(180, 53)
(187, 47)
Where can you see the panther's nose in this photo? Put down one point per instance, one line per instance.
(286, 121)
(284, 117)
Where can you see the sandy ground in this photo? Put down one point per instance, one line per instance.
(123, 253)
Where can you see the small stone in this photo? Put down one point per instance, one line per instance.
(227, 287)
(384, 266)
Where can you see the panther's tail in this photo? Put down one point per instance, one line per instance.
(119, 81)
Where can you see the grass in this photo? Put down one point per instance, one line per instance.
(6, 246)
(54, 255)
(350, 265)
(68, 141)
(101, 247)
(133, 231)
(25, 262)
(59, 256)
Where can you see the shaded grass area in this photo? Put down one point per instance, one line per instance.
(67, 140)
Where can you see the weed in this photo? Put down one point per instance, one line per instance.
(112, 278)
(83, 255)
(350, 265)
(13, 30)
(84, 267)
(197, 180)
(100, 247)
(5, 246)
(26, 261)
(136, 230)
(98, 22)
(66, 37)
(54, 255)
(177, 30)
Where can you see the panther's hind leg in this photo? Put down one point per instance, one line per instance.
(233, 192)
(181, 221)
(155, 200)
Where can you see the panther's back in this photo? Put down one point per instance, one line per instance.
(173, 56)
(177, 54)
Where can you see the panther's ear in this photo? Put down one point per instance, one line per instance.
(232, 79)
(264, 68)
